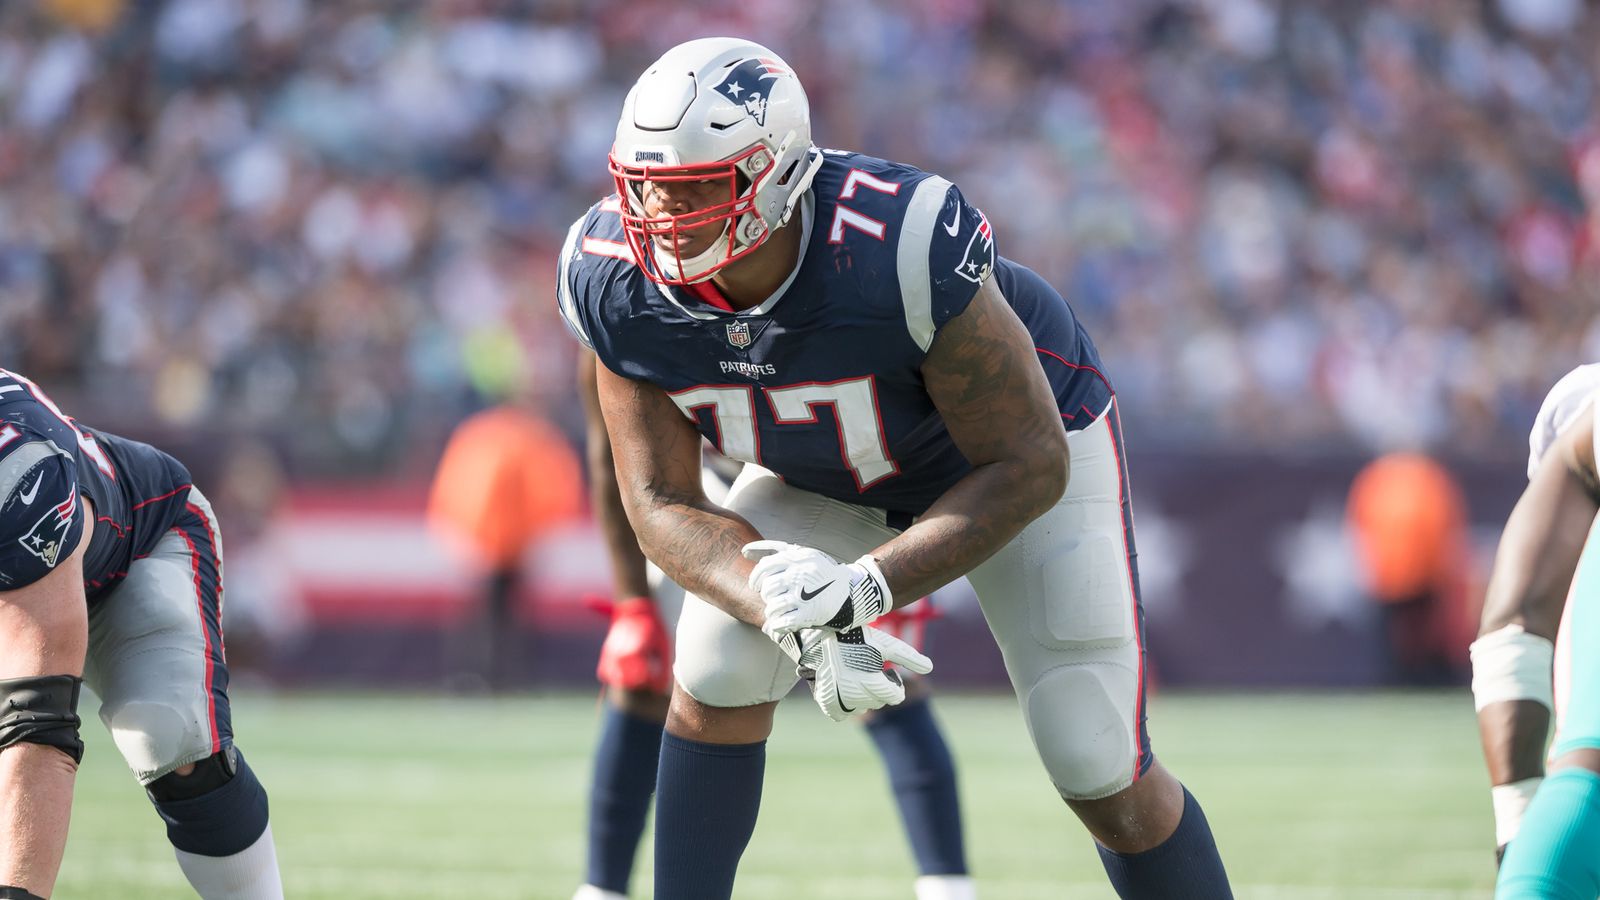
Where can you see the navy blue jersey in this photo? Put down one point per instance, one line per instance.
(822, 383)
(47, 461)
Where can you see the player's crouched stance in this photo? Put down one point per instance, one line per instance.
(111, 574)
(844, 324)
(636, 666)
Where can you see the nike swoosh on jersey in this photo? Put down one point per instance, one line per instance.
(953, 227)
(27, 498)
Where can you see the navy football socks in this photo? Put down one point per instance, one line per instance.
(1186, 866)
(619, 800)
(707, 797)
(923, 777)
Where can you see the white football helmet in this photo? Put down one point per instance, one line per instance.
(710, 109)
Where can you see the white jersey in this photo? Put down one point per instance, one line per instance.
(1570, 397)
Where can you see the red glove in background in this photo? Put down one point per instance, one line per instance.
(637, 654)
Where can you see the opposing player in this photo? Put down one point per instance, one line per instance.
(111, 574)
(635, 664)
(1546, 844)
(844, 323)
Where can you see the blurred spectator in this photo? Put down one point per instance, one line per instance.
(1290, 225)
(264, 604)
(507, 477)
(1410, 523)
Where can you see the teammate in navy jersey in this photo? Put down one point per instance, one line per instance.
(635, 666)
(906, 399)
(111, 575)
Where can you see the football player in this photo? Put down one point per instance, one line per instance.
(636, 667)
(111, 575)
(908, 401)
(1547, 828)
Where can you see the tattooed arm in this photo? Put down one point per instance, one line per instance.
(985, 379)
(657, 454)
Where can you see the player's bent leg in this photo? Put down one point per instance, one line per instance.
(713, 754)
(216, 817)
(156, 660)
(1062, 602)
(729, 679)
(708, 794)
(625, 762)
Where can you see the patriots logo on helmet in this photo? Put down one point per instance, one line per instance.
(739, 334)
(750, 84)
(978, 261)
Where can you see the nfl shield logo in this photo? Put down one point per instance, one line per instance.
(739, 334)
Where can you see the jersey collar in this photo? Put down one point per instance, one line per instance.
(699, 311)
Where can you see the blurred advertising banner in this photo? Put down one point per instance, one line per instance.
(1249, 573)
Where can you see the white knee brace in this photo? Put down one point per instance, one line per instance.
(1088, 744)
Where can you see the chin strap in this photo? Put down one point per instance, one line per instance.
(802, 185)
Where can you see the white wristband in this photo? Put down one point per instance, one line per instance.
(1510, 803)
(1511, 664)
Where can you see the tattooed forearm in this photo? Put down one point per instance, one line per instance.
(985, 379)
(698, 547)
(657, 453)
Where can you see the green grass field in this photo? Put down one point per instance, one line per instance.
(1311, 796)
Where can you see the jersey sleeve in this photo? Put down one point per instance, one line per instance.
(38, 507)
(1570, 397)
(566, 291)
(946, 251)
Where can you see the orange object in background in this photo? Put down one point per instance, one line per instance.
(1410, 521)
(506, 477)
(1409, 518)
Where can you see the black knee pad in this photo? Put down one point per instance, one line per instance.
(41, 709)
(218, 809)
(209, 774)
(7, 892)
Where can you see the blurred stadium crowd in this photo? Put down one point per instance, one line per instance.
(1296, 225)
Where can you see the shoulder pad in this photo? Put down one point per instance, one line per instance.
(594, 247)
(1570, 396)
(946, 251)
(38, 506)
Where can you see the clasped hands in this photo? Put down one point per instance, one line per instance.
(819, 611)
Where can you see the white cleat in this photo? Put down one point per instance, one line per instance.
(590, 892)
(946, 887)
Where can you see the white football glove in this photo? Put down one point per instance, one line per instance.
(846, 668)
(802, 587)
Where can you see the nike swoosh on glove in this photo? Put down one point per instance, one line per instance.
(802, 587)
(846, 668)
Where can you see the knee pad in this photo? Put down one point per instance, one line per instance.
(1084, 736)
(8, 892)
(155, 738)
(41, 709)
(725, 663)
(209, 774)
(218, 809)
